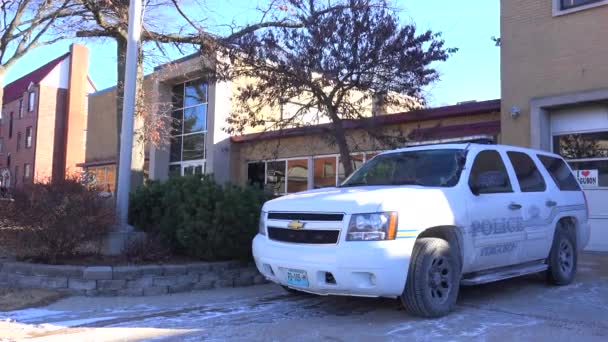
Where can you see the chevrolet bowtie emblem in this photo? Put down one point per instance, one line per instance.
(295, 225)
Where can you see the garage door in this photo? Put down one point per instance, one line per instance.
(581, 137)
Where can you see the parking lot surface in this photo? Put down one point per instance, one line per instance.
(513, 310)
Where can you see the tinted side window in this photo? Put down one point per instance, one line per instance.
(560, 173)
(488, 174)
(528, 176)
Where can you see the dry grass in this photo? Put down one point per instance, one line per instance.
(16, 299)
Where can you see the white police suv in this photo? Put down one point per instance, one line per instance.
(416, 223)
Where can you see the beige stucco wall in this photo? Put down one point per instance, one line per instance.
(101, 126)
(543, 55)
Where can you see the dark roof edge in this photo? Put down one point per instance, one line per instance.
(426, 114)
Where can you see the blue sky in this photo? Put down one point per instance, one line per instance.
(471, 74)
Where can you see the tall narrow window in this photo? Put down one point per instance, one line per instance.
(20, 114)
(188, 153)
(27, 172)
(19, 137)
(16, 174)
(31, 101)
(1, 144)
(28, 137)
(10, 125)
(8, 160)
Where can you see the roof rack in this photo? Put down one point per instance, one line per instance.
(473, 140)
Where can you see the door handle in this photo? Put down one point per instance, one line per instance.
(514, 206)
(551, 203)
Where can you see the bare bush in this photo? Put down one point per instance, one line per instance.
(47, 222)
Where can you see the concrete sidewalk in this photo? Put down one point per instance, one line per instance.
(518, 309)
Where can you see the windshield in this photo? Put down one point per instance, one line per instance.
(432, 168)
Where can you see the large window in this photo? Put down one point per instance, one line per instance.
(189, 133)
(325, 172)
(103, 177)
(297, 175)
(587, 154)
(568, 4)
(294, 175)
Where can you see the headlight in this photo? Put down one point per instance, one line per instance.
(262, 224)
(372, 227)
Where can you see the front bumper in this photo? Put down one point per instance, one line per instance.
(359, 268)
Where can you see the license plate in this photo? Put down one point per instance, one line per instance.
(297, 278)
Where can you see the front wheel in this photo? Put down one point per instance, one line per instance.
(433, 279)
(563, 256)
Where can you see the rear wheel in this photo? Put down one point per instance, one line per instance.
(433, 279)
(563, 256)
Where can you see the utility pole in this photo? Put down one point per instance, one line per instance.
(128, 112)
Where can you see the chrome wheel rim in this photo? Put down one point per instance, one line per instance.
(566, 257)
(439, 280)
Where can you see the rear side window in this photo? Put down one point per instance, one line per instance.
(560, 173)
(488, 165)
(528, 176)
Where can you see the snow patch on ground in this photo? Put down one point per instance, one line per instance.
(28, 314)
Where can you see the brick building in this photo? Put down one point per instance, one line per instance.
(43, 123)
(554, 69)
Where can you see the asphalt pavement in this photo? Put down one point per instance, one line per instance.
(522, 309)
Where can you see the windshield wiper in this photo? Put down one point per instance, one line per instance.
(409, 182)
(353, 184)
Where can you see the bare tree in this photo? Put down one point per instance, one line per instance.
(346, 55)
(28, 24)
(109, 19)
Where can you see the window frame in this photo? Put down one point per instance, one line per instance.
(515, 171)
(10, 124)
(559, 9)
(506, 171)
(31, 101)
(19, 138)
(20, 114)
(27, 172)
(204, 133)
(580, 160)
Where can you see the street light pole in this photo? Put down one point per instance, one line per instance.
(128, 112)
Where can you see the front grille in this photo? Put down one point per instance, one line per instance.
(306, 216)
(310, 236)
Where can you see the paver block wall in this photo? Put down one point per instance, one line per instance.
(142, 280)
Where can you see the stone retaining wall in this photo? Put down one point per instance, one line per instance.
(145, 280)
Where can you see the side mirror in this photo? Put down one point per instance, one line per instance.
(489, 181)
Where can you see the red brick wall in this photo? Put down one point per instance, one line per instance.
(76, 120)
(48, 142)
(24, 155)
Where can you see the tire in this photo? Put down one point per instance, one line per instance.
(563, 256)
(433, 279)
